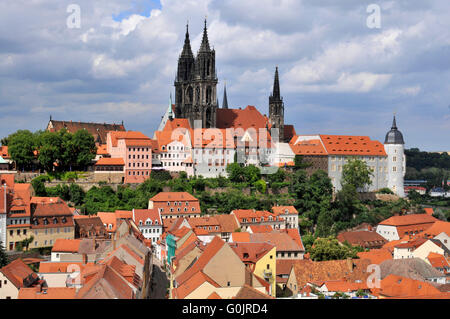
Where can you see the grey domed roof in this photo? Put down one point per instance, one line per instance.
(394, 136)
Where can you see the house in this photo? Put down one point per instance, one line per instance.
(304, 271)
(287, 246)
(413, 268)
(207, 275)
(259, 258)
(248, 217)
(283, 269)
(98, 130)
(149, 223)
(394, 286)
(110, 220)
(365, 239)
(87, 226)
(64, 247)
(110, 170)
(331, 152)
(14, 277)
(439, 262)
(248, 292)
(18, 219)
(396, 227)
(62, 274)
(175, 205)
(439, 230)
(135, 150)
(228, 224)
(416, 248)
(51, 219)
(174, 148)
(289, 214)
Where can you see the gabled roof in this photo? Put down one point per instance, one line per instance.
(211, 250)
(228, 223)
(66, 245)
(248, 292)
(282, 210)
(173, 196)
(398, 286)
(131, 138)
(261, 228)
(281, 240)
(376, 256)
(193, 283)
(362, 238)
(352, 145)
(251, 252)
(407, 220)
(142, 215)
(247, 118)
(414, 268)
(19, 273)
(110, 161)
(98, 130)
(438, 227)
(438, 260)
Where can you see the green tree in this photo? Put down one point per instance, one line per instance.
(252, 174)
(39, 186)
(4, 141)
(49, 150)
(235, 172)
(299, 162)
(329, 248)
(356, 173)
(261, 186)
(21, 147)
(76, 194)
(83, 145)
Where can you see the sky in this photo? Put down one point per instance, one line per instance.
(342, 70)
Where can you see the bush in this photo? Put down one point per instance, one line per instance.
(385, 190)
(260, 186)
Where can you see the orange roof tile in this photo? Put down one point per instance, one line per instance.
(261, 228)
(193, 283)
(437, 228)
(376, 256)
(61, 267)
(47, 293)
(397, 286)
(18, 273)
(101, 149)
(240, 237)
(173, 196)
(407, 220)
(352, 145)
(309, 147)
(66, 245)
(110, 161)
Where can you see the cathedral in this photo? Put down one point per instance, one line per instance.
(196, 95)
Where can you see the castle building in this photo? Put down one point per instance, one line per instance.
(395, 149)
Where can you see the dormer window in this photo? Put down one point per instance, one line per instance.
(45, 221)
(55, 220)
(64, 220)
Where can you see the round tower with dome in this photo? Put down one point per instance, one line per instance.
(394, 145)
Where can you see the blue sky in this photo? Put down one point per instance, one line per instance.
(338, 76)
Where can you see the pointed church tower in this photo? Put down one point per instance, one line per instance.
(276, 107)
(396, 166)
(225, 99)
(185, 74)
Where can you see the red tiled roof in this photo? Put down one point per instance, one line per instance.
(142, 215)
(251, 252)
(376, 256)
(211, 250)
(281, 210)
(131, 138)
(240, 237)
(47, 293)
(4, 152)
(228, 223)
(437, 228)
(193, 283)
(17, 272)
(260, 216)
(438, 261)
(261, 228)
(98, 130)
(352, 145)
(247, 118)
(407, 220)
(282, 241)
(362, 238)
(62, 267)
(248, 292)
(310, 147)
(397, 286)
(110, 161)
(66, 245)
(173, 196)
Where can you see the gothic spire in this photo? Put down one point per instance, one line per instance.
(187, 51)
(276, 86)
(205, 43)
(394, 124)
(170, 110)
(225, 99)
